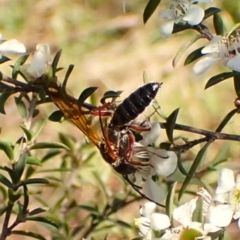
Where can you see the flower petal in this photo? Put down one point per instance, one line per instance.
(163, 162)
(147, 209)
(40, 60)
(213, 45)
(153, 191)
(226, 181)
(143, 224)
(166, 28)
(151, 136)
(12, 45)
(159, 221)
(234, 63)
(203, 64)
(220, 215)
(183, 213)
(166, 13)
(194, 15)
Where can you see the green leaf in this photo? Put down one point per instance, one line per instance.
(170, 199)
(25, 199)
(55, 62)
(226, 119)
(170, 124)
(37, 127)
(67, 75)
(11, 173)
(3, 98)
(21, 107)
(218, 24)
(52, 153)
(184, 47)
(211, 11)
(37, 211)
(27, 132)
(5, 181)
(196, 54)
(236, 80)
(219, 78)
(35, 181)
(7, 148)
(42, 220)
(4, 59)
(149, 9)
(57, 116)
(193, 168)
(28, 234)
(20, 165)
(110, 94)
(122, 224)
(66, 140)
(17, 66)
(42, 145)
(85, 94)
(91, 209)
(33, 161)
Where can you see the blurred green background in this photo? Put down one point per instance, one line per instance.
(111, 49)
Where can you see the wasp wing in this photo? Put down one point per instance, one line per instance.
(72, 109)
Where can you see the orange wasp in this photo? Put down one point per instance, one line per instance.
(116, 142)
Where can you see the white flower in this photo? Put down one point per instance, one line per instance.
(151, 221)
(212, 211)
(11, 45)
(181, 12)
(220, 48)
(228, 193)
(40, 61)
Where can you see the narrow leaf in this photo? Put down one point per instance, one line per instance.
(193, 168)
(219, 78)
(7, 148)
(21, 107)
(25, 199)
(170, 124)
(218, 24)
(170, 199)
(17, 66)
(35, 181)
(110, 94)
(196, 54)
(42, 145)
(37, 211)
(4, 59)
(37, 127)
(50, 155)
(55, 62)
(66, 140)
(28, 234)
(43, 220)
(27, 132)
(236, 80)
(85, 94)
(20, 165)
(211, 11)
(68, 73)
(56, 116)
(184, 47)
(3, 98)
(149, 9)
(5, 181)
(226, 119)
(33, 161)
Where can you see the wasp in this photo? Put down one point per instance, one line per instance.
(116, 141)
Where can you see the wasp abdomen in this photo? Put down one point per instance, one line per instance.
(134, 105)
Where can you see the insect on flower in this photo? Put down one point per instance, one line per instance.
(116, 140)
